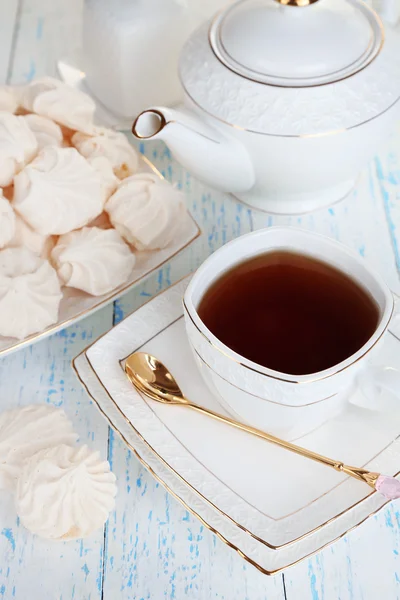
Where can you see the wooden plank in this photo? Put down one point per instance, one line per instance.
(387, 167)
(31, 567)
(8, 32)
(156, 549)
(365, 565)
(361, 222)
(48, 31)
(172, 556)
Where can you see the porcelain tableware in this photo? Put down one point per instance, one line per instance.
(131, 49)
(153, 379)
(290, 99)
(76, 305)
(285, 405)
(219, 472)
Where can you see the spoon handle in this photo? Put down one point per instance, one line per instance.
(357, 473)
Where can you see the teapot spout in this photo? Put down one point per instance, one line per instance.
(221, 161)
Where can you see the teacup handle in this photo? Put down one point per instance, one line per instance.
(394, 325)
(389, 10)
(375, 379)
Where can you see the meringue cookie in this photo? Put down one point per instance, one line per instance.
(29, 293)
(93, 260)
(65, 493)
(146, 210)
(111, 144)
(103, 167)
(25, 236)
(17, 146)
(58, 191)
(46, 132)
(35, 88)
(25, 431)
(58, 101)
(7, 221)
(8, 99)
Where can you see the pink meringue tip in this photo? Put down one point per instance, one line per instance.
(389, 487)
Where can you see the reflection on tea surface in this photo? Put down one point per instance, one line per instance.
(289, 312)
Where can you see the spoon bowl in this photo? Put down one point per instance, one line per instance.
(152, 377)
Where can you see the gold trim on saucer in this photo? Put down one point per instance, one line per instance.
(180, 476)
(145, 399)
(183, 479)
(192, 511)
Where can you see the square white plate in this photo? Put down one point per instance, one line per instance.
(274, 507)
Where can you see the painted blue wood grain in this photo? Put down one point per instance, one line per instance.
(160, 545)
(8, 27)
(151, 547)
(30, 566)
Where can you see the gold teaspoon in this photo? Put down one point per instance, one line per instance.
(151, 377)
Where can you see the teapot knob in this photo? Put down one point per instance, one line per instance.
(296, 2)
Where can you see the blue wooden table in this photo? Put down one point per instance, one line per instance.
(151, 547)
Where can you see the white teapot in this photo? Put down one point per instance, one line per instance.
(285, 101)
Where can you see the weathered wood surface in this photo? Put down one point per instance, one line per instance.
(151, 547)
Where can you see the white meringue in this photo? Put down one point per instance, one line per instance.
(8, 98)
(66, 105)
(103, 167)
(146, 210)
(93, 260)
(65, 493)
(58, 192)
(17, 146)
(35, 88)
(25, 431)
(29, 293)
(7, 221)
(111, 144)
(46, 132)
(25, 236)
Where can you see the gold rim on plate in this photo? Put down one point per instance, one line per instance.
(179, 476)
(177, 497)
(116, 294)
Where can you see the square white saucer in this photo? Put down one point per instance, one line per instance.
(274, 507)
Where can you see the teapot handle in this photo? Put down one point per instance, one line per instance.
(388, 10)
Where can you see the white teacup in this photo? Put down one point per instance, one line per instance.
(287, 405)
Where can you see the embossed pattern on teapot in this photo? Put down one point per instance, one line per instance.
(285, 101)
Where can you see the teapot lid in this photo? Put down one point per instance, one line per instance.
(296, 43)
